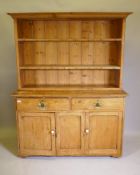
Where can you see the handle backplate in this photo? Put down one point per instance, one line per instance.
(42, 105)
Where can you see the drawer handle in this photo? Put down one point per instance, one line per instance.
(86, 131)
(42, 105)
(98, 104)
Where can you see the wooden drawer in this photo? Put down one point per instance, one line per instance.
(97, 103)
(40, 105)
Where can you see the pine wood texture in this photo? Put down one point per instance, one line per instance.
(35, 135)
(70, 100)
(97, 103)
(103, 132)
(70, 129)
(48, 104)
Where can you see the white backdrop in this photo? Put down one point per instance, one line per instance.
(131, 81)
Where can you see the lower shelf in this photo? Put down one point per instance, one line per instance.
(90, 87)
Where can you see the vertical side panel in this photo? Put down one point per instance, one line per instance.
(17, 54)
(122, 52)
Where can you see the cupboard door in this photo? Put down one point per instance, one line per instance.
(70, 129)
(103, 133)
(36, 133)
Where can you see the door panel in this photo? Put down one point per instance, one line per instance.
(35, 133)
(70, 129)
(103, 132)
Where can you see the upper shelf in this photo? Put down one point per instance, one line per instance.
(69, 67)
(68, 40)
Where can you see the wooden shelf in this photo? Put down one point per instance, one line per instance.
(69, 93)
(68, 40)
(73, 67)
(75, 87)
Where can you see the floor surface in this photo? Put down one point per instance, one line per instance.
(10, 164)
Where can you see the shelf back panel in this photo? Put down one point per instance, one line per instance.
(70, 77)
(70, 29)
(69, 53)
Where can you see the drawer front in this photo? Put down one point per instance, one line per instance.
(40, 105)
(97, 103)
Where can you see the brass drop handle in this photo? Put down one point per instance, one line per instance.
(42, 105)
(86, 131)
(98, 104)
(53, 132)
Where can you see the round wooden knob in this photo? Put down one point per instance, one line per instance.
(86, 131)
(53, 132)
(19, 101)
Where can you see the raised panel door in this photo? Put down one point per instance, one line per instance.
(36, 133)
(70, 130)
(103, 133)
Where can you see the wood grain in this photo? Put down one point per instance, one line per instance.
(70, 129)
(35, 134)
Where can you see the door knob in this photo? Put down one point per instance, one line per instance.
(52, 132)
(86, 131)
(19, 101)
